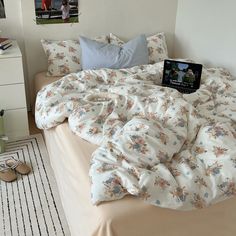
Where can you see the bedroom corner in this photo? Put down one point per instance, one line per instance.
(117, 118)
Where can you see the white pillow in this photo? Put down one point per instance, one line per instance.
(157, 48)
(64, 56)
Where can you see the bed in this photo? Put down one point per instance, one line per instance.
(70, 158)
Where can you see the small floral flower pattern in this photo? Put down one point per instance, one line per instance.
(63, 56)
(214, 169)
(180, 194)
(138, 144)
(169, 149)
(113, 186)
(162, 183)
(198, 202)
(228, 188)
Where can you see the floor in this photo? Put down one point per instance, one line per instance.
(32, 126)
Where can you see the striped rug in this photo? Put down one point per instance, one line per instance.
(31, 205)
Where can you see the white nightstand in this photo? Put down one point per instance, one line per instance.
(12, 93)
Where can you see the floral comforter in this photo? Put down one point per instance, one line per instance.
(171, 150)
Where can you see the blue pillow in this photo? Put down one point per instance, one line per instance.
(96, 55)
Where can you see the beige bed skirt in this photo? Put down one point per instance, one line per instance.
(70, 159)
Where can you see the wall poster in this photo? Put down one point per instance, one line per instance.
(56, 11)
(2, 9)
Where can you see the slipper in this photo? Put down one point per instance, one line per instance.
(18, 166)
(6, 173)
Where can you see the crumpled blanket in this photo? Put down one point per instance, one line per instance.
(170, 149)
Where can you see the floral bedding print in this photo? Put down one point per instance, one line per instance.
(171, 150)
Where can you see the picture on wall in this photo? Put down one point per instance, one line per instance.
(56, 11)
(2, 9)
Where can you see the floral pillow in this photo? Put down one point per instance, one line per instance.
(64, 56)
(157, 48)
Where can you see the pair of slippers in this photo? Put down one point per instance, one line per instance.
(9, 166)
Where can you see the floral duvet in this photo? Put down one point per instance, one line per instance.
(170, 149)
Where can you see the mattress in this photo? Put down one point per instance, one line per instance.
(70, 159)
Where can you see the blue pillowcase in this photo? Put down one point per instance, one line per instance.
(96, 55)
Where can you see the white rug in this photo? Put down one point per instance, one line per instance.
(31, 205)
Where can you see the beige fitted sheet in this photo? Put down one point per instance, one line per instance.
(70, 158)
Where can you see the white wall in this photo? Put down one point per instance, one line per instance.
(124, 18)
(206, 31)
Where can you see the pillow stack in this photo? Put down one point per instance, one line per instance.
(64, 56)
(97, 55)
(157, 48)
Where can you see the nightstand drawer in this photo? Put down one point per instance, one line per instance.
(12, 96)
(16, 123)
(11, 71)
